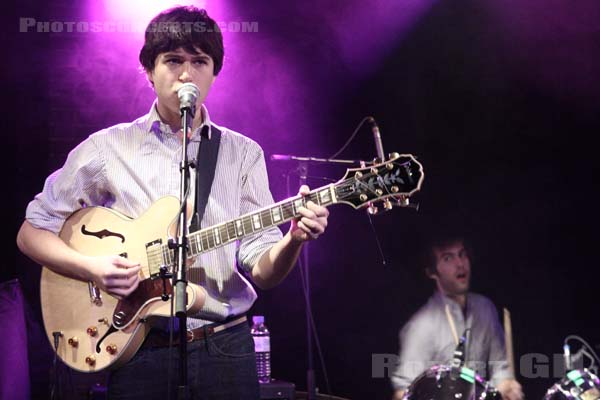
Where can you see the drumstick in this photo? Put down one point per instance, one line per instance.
(451, 322)
(508, 342)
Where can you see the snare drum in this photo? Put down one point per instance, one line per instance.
(579, 384)
(438, 383)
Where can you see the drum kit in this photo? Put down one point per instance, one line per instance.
(457, 382)
(439, 383)
(444, 382)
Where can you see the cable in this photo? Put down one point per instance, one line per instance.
(54, 386)
(585, 346)
(350, 139)
(55, 389)
(383, 261)
(313, 327)
(171, 347)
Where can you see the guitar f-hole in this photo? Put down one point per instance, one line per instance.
(110, 330)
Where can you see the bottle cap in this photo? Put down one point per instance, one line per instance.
(258, 319)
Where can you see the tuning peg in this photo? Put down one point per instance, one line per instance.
(387, 204)
(372, 209)
(404, 201)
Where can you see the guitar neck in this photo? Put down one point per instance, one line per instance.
(400, 176)
(219, 235)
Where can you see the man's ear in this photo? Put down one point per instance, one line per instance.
(150, 77)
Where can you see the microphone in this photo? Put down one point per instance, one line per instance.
(567, 357)
(377, 138)
(188, 93)
(282, 157)
(458, 359)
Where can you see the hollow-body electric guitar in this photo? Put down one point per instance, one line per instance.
(91, 330)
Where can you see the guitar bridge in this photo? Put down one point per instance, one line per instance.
(95, 295)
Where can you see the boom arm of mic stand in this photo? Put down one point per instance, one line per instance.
(312, 160)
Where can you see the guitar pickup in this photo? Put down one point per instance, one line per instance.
(154, 253)
(153, 243)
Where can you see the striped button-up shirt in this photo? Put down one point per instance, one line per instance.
(427, 339)
(128, 167)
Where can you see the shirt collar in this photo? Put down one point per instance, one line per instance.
(443, 299)
(156, 125)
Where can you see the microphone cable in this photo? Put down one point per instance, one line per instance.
(351, 138)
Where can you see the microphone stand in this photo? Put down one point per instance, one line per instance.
(180, 246)
(311, 391)
(302, 170)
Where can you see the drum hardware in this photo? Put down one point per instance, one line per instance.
(452, 382)
(579, 383)
(438, 383)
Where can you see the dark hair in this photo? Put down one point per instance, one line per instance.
(438, 241)
(187, 27)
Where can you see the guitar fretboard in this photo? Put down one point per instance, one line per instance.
(219, 235)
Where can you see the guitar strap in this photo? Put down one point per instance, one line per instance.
(205, 172)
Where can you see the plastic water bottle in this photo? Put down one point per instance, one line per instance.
(262, 348)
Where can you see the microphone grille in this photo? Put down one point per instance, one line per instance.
(188, 89)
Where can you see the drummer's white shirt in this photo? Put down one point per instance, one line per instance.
(427, 339)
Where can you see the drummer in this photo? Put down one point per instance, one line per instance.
(432, 333)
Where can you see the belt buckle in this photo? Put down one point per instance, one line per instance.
(190, 336)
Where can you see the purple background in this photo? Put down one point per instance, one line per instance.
(500, 100)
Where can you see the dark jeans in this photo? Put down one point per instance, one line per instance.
(221, 367)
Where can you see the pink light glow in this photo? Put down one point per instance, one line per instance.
(137, 11)
(111, 55)
(367, 36)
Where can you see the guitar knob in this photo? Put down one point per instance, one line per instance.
(111, 349)
(90, 360)
(378, 192)
(395, 189)
(92, 331)
(372, 210)
(363, 197)
(74, 341)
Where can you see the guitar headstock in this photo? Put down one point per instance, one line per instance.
(397, 178)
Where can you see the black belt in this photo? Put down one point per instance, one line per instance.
(158, 340)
